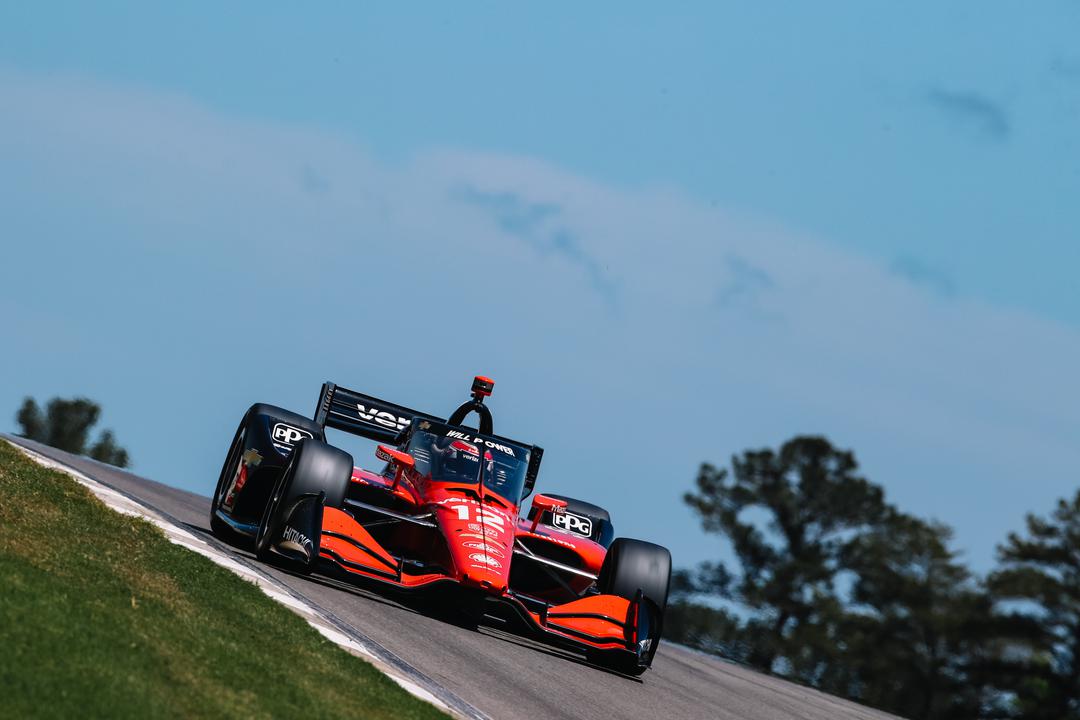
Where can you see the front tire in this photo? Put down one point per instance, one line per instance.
(633, 566)
(316, 472)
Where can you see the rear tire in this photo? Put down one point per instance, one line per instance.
(254, 432)
(219, 527)
(314, 468)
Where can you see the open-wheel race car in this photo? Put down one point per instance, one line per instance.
(443, 511)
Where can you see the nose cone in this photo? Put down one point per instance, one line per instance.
(480, 540)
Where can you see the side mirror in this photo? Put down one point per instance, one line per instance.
(390, 455)
(541, 503)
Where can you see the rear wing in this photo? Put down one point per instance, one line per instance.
(382, 421)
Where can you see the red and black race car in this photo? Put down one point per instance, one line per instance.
(443, 511)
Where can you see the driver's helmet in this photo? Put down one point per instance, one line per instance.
(459, 460)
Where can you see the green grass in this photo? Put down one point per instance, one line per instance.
(101, 616)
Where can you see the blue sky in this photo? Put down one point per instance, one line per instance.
(706, 229)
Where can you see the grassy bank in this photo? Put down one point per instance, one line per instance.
(101, 616)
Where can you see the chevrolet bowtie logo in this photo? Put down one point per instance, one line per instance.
(252, 458)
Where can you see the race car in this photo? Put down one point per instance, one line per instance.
(443, 511)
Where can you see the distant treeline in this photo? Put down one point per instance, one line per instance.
(66, 424)
(838, 589)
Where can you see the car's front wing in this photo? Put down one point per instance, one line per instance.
(602, 623)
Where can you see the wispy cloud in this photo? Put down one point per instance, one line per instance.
(538, 224)
(312, 181)
(921, 273)
(1066, 67)
(973, 111)
(743, 282)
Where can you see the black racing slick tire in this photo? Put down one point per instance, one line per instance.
(317, 474)
(219, 527)
(633, 566)
(263, 442)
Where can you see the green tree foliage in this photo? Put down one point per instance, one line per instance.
(702, 625)
(916, 631)
(66, 424)
(790, 516)
(1037, 588)
(838, 588)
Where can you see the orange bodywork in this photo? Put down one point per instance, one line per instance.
(597, 619)
(349, 541)
(480, 535)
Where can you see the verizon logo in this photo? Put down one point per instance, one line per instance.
(381, 417)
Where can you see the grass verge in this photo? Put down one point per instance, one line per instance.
(101, 616)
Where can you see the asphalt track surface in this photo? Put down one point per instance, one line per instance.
(499, 670)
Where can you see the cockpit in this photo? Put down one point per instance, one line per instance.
(445, 453)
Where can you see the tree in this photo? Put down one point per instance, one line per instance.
(107, 451)
(1037, 589)
(810, 503)
(841, 590)
(700, 625)
(66, 425)
(918, 624)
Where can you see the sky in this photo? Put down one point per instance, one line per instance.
(670, 234)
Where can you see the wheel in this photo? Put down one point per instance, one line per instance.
(219, 527)
(271, 432)
(631, 566)
(597, 528)
(317, 473)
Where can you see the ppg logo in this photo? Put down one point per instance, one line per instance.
(289, 435)
(574, 523)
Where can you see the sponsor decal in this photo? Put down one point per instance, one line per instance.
(381, 417)
(477, 440)
(478, 536)
(577, 524)
(554, 538)
(238, 482)
(485, 560)
(384, 455)
(251, 458)
(475, 527)
(492, 532)
(486, 547)
(241, 478)
(293, 535)
(456, 501)
(289, 435)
